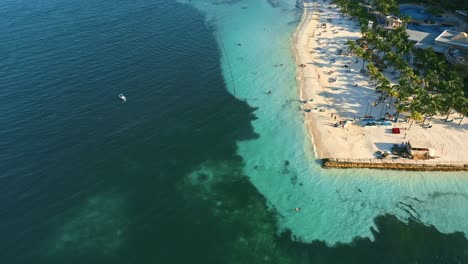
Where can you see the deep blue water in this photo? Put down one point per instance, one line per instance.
(66, 137)
(87, 179)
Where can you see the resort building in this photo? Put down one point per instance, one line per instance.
(457, 49)
(424, 40)
(453, 44)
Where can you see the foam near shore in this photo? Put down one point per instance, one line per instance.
(335, 91)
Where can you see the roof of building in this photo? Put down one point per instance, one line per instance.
(415, 35)
(425, 40)
(453, 38)
(462, 36)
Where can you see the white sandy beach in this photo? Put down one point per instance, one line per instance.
(317, 48)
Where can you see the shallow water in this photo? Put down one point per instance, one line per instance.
(336, 205)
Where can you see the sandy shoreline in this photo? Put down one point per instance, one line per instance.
(307, 20)
(347, 95)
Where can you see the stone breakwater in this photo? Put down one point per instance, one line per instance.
(398, 164)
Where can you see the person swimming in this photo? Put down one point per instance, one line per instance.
(124, 99)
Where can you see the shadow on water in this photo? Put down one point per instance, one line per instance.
(395, 242)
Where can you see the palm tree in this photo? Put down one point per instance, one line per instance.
(372, 37)
(351, 45)
(385, 7)
(399, 39)
(417, 102)
(366, 56)
(427, 58)
(451, 100)
(462, 108)
(392, 59)
(402, 65)
(431, 89)
(399, 108)
(415, 116)
(452, 94)
(364, 27)
(392, 94)
(357, 50)
(430, 79)
(406, 72)
(430, 105)
(404, 90)
(384, 85)
(373, 71)
(384, 47)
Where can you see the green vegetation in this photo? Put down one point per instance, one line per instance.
(430, 89)
(384, 7)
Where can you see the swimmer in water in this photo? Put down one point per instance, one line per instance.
(297, 209)
(124, 99)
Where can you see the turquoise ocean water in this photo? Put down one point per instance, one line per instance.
(202, 164)
(336, 205)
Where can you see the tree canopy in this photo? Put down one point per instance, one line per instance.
(427, 87)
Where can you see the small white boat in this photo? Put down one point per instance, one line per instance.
(124, 99)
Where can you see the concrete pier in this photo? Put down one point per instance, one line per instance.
(395, 164)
